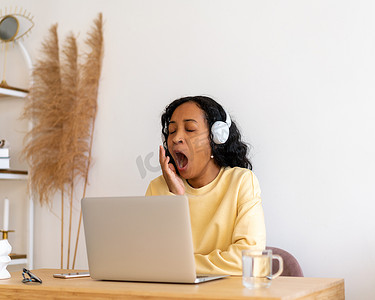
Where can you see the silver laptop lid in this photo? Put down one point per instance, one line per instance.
(139, 238)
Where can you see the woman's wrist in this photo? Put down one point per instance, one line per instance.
(177, 190)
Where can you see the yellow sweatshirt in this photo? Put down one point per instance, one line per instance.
(226, 218)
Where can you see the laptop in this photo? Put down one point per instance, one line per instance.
(140, 239)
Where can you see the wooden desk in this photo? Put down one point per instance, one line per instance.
(227, 288)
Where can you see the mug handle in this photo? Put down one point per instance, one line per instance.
(281, 266)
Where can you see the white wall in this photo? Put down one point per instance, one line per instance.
(298, 76)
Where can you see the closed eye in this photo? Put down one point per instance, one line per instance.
(188, 130)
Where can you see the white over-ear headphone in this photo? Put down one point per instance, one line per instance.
(220, 130)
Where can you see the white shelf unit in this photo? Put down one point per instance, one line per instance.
(11, 92)
(20, 261)
(13, 174)
(21, 175)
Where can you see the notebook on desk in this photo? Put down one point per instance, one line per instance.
(140, 239)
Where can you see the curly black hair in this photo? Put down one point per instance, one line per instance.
(233, 152)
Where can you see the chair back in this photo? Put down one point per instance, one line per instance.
(291, 265)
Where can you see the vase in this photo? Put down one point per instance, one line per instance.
(5, 249)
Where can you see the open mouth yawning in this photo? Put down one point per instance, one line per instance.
(181, 160)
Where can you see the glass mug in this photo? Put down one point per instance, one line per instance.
(257, 268)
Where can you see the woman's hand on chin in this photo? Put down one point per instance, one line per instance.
(174, 182)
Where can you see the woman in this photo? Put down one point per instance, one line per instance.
(214, 172)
